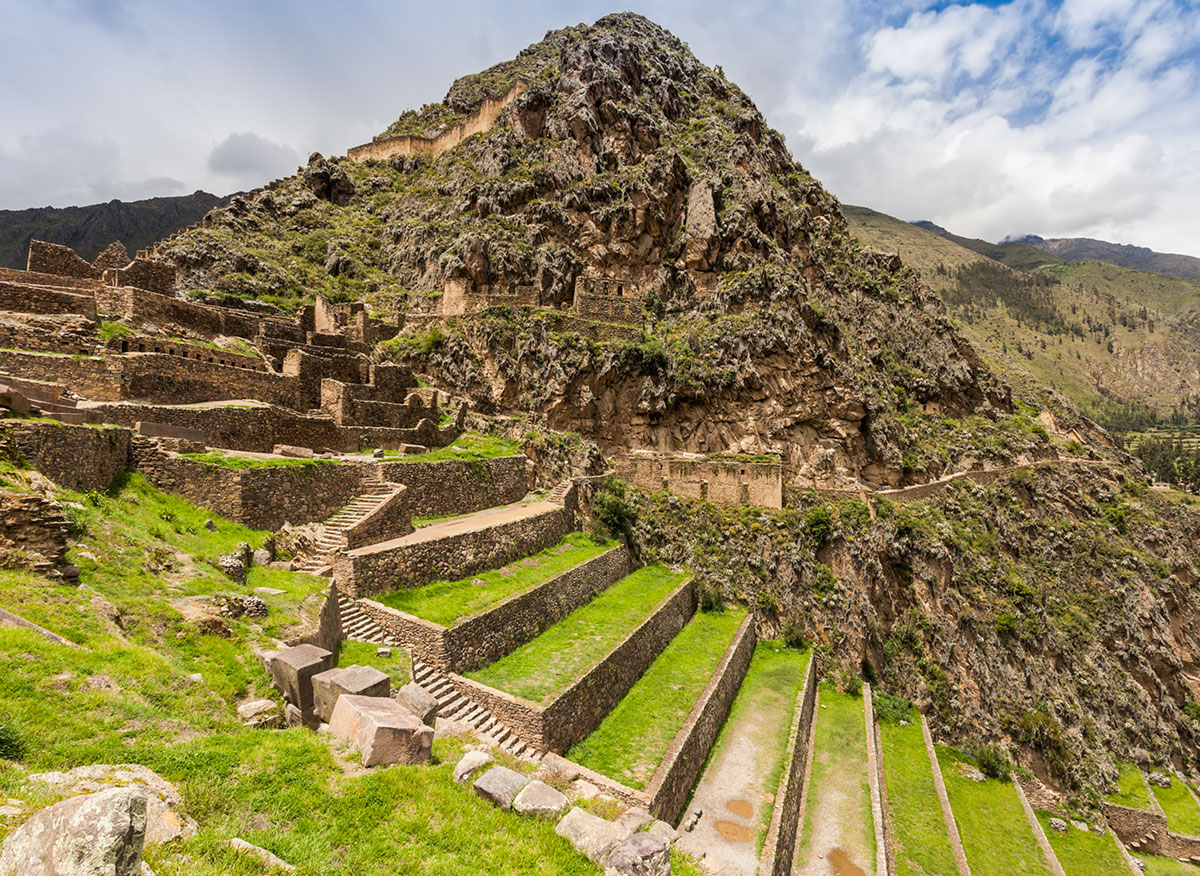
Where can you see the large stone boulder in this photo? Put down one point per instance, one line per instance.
(382, 730)
(591, 835)
(539, 800)
(365, 681)
(500, 785)
(471, 763)
(292, 671)
(643, 854)
(93, 835)
(165, 821)
(418, 701)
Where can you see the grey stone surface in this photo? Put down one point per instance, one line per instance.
(366, 681)
(260, 713)
(591, 835)
(500, 785)
(1159, 780)
(164, 821)
(292, 671)
(664, 830)
(634, 819)
(93, 835)
(1058, 824)
(470, 764)
(382, 730)
(293, 451)
(418, 701)
(261, 557)
(262, 854)
(541, 801)
(643, 854)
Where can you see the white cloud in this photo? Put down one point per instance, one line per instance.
(247, 159)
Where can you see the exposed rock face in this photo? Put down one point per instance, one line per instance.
(94, 835)
(328, 181)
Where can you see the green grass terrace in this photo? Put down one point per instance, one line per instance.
(449, 602)
(1178, 804)
(1131, 789)
(542, 669)
(631, 741)
(1083, 853)
(467, 447)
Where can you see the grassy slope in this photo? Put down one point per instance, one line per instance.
(126, 698)
(1183, 815)
(1131, 788)
(1156, 866)
(630, 742)
(922, 841)
(1082, 853)
(468, 446)
(447, 602)
(840, 769)
(543, 668)
(995, 833)
(771, 686)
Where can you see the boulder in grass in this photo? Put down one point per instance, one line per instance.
(292, 671)
(471, 763)
(418, 701)
(591, 835)
(382, 730)
(500, 785)
(539, 800)
(643, 854)
(263, 855)
(365, 681)
(93, 835)
(633, 820)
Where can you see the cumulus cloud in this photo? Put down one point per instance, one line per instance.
(247, 158)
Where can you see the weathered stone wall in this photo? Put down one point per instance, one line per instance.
(141, 307)
(20, 298)
(581, 708)
(606, 308)
(390, 520)
(39, 279)
(392, 565)
(437, 489)
(720, 481)
(780, 843)
(61, 261)
(488, 636)
(1149, 831)
(675, 777)
(262, 498)
(33, 532)
(75, 457)
(188, 351)
(87, 376)
(143, 274)
(49, 334)
(479, 121)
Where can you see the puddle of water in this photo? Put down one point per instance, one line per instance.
(842, 865)
(735, 833)
(741, 808)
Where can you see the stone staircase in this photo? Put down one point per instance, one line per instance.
(357, 627)
(453, 706)
(333, 531)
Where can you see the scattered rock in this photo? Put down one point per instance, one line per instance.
(661, 828)
(1059, 825)
(967, 771)
(591, 835)
(582, 789)
(500, 785)
(270, 591)
(419, 701)
(94, 835)
(232, 565)
(643, 854)
(261, 557)
(238, 605)
(470, 764)
(164, 820)
(377, 454)
(260, 713)
(633, 820)
(693, 816)
(210, 526)
(383, 652)
(1080, 825)
(1159, 780)
(284, 565)
(292, 671)
(293, 451)
(262, 854)
(541, 801)
(382, 730)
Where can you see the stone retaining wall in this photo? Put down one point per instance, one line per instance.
(262, 498)
(33, 532)
(672, 783)
(492, 634)
(779, 846)
(580, 708)
(190, 351)
(1149, 831)
(390, 520)
(75, 457)
(18, 298)
(392, 565)
(40, 279)
(58, 260)
(456, 487)
(721, 481)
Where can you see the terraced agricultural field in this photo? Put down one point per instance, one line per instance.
(1178, 804)
(995, 833)
(921, 838)
(542, 669)
(1132, 790)
(449, 602)
(1083, 853)
(630, 743)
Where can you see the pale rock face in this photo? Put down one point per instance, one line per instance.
(471, 763)
(93, 835)
(591, 835)
(643, 854)
(701, 226)
(539, 800)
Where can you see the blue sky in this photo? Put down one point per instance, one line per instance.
(1063, 118)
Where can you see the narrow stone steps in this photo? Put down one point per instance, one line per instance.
(456, 707)
(332, 537)
(357, 627)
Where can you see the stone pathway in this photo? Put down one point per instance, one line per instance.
(480, 520)
(333, 533)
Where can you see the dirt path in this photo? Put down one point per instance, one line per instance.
(737, 790)
(838, 833)
(471, 523)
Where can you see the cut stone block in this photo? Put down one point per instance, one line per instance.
(164, 430)
(541, 801)
(366, 681)
(664, 830)
(643, 854)
(292, 671)
(382, 730)
(633, 820)
(293, 451)
(500, 785)
(15, 402)
(591, 835)
(470, 764)
(418, 701)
